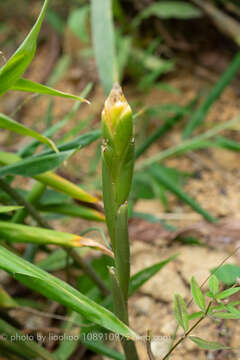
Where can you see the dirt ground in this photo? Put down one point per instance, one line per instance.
(216, 188)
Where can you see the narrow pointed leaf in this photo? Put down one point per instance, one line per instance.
(197, 294)
(4, 209)
(231, 308)
(30, 234)
(225, 315)
(226, 293)
(102, 349)
(169, 10)
(18, 63)
(57, 290)
(30, 86)
(163, 178)
(17, 342)
(73, 210)
(213, 284)
(36, 165)
(65, 186)
(78, 142)
(6, 301)
(138, 279)
(217, 90)
(103, 41)
(208, 345)
(12, 125)
(227, 273)
(53, 180)
(180, 311)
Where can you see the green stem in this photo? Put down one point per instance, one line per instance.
(19, 217)
(121, 310)
(33, 196)
(188, 332)
(21, 201)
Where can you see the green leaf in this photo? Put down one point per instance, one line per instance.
(138, 279)
(30, 86)
(186, 145)
(65, 186)
(163, 177)
(227, 273)
(195, 315)
(103, 42)
(6, 301)
(231, 308)
(12, 125)
(57, 290)
(58, 260)
(225, 315)
(78, 142)
(180, 312)
(208, 345)
(227, 143)
(36, 165)
(23, 56)
(51, 179)
(17, 343)
(197, 294)
(30, 234)
(213, 284)
(77, 22)
(73, 211)
(171, 9)
(102, 349)
(226, 293)
(4, 209)
(217, 90)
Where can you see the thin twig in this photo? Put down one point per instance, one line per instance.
(21, 201)
(188, 332)
(203, 283)
(90, 272)
(48, 315)
(148, 344)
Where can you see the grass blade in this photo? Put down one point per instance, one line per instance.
(227, 143)
(57, 290)
(59, 259)
(217, 90)
(23, 56)
(36, 164)
(67, 187)
(6, 301)
(138, 279)
(30, 86)
(73, 211)
(52, 180)
(12, 125)
(196, 142)
(163, 178)
(28, 349)
(4, 209)
(29, 234)
(103, 42)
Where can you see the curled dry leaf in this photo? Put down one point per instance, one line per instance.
(81, 241)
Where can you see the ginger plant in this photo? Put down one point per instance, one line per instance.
(117, 171)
